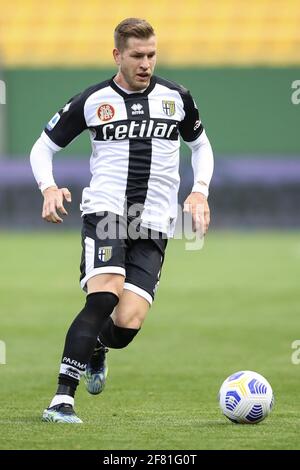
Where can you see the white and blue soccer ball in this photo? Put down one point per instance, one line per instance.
(246, 397)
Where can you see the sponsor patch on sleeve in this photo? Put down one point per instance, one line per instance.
(52, 123)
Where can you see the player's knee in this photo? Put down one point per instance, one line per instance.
(117, 337)
(133, 323)
(106, 283)
(97, 301)
(130, 319)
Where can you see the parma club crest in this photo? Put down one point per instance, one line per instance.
(104, 253)
(168, 107)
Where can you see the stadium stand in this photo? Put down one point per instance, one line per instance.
(240, 60)
(64, 32)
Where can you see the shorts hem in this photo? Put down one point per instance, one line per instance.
(102, 270)
(139, 291)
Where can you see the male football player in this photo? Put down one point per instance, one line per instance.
(135, 120)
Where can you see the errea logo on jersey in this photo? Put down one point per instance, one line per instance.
(66, 107)
(137, 108)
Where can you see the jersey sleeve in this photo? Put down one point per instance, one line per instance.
(190, 127)
(68, 122)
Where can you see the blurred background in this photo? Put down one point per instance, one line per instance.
(239, 60)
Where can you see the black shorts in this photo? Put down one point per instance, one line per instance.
(115, 244)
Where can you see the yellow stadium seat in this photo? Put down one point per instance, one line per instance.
(194, 32)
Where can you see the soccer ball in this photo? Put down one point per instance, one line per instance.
(246, 397)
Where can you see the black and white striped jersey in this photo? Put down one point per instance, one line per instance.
(135, 145)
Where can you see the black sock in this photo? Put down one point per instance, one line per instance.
(116, 337)
(81, 339)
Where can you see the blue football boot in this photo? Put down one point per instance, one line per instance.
(62, 413)
(96, 370)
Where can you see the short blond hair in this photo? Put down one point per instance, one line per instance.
(132, 27)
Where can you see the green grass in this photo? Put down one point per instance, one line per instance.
(234, 305)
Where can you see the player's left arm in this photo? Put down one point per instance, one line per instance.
(193, 133)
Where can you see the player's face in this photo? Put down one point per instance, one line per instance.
(136, 63)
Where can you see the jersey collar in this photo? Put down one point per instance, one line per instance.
(133, 95)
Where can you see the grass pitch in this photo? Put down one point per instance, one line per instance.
(234, 305)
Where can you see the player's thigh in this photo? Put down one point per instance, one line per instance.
(103, 254)
(131, 310)
(144, 262)
(106, 283)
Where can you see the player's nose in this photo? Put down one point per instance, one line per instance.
(145, 64)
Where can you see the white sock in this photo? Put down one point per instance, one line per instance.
(58, 399)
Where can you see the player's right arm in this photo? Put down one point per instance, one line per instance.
(64, 127)
(193, 133)
(53, 203)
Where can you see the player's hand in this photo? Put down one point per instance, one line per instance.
(53, 202)
(197, 205)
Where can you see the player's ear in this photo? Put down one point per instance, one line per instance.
(117, 56)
